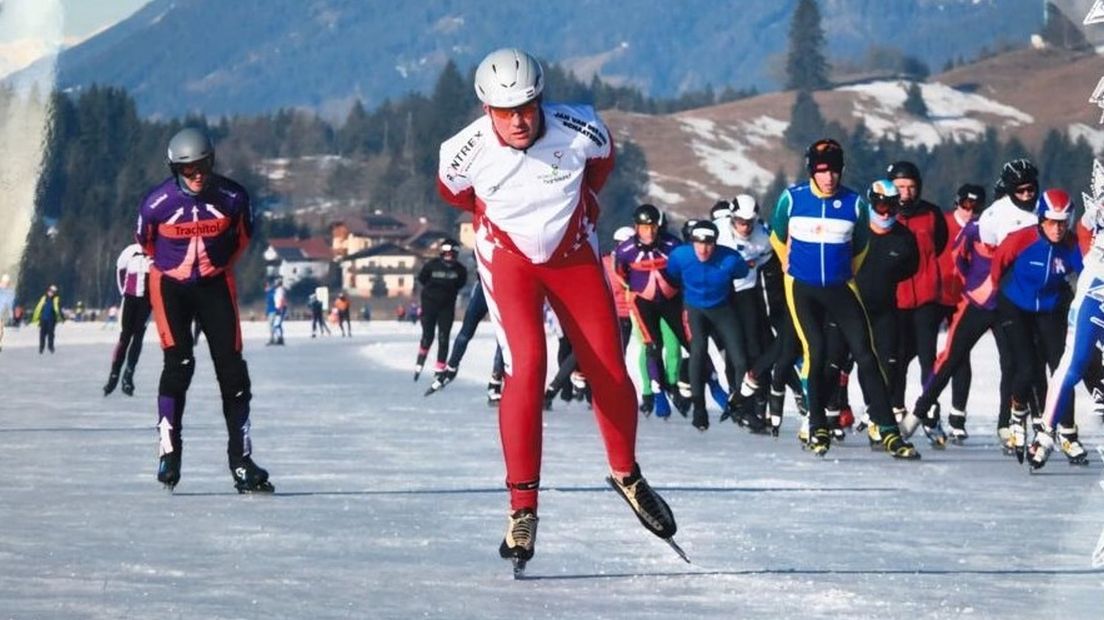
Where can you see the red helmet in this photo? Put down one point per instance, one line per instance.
(1056, 205)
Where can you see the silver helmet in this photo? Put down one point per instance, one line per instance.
(190, 145)
(507, 78)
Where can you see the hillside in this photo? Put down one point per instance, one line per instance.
(698, 156)
(249, 56)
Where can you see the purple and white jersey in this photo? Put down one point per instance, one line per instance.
(191, 237)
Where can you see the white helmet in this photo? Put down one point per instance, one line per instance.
(623, 233)
(745, 207)
(507, 78)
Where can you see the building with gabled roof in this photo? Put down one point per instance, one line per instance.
(385, 266)
(297, 259)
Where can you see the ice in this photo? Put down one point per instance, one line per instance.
(391, 505)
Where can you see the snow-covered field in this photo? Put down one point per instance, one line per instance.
(390, 504)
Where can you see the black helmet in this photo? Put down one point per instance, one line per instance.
(826, 154)
(703, 230)
(906, 170)
(903, 170)
(449, 246)
(721, 208)
(647, 214)
(686, 228)
(1018, 172)
(968, 192)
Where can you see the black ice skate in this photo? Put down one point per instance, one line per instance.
(520, 540)
(701, 420)
(494, 391)
(112, 381)
(249, 478)
(168, 469)
(820, 440)
(935, 434)
(1018, 431)
(896, 445)
(127, 385)
(649, 507)
(775, 403)
(647, 405)
(957, 422)
(440, 379)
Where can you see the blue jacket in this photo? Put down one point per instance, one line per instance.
(1032, 272)
(821, 239)
(708, 284)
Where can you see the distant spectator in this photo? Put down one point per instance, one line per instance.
(318, 321)
(7, 299)
(47, 314)
(342, 305)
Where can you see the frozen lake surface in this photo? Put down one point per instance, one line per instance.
(391, 505)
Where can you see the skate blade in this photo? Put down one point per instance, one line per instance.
(433, 389)
(519, 567)
(1019, 452)
(678, 549)
(264, 489)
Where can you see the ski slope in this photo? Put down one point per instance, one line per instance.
(391, 505)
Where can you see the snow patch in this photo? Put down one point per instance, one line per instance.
(660, 194)
(1092, 135)
(725, 152)
(952, 114)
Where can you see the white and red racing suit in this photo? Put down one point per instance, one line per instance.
(534, 212)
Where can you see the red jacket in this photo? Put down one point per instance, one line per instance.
(930, 229)
(950, 291)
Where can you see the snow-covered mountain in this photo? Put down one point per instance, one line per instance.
(249, 56)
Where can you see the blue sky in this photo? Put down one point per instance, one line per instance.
(84, 17)
(31, 28)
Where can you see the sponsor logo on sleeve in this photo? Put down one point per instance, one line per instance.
(461, 161)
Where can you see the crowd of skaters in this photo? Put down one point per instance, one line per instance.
(838, 281)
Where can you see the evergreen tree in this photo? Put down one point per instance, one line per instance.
(914, 101)
(806, 122)
(623, 190)
(806, 65)
(771, 196)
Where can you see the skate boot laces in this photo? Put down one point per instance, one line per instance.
(649, 507)
(521, 535)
